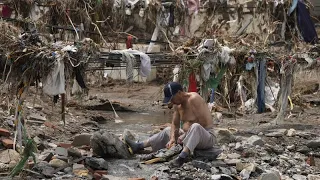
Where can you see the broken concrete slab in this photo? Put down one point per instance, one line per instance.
(96, 163)
(314, 143)
(61, 151)
(8, 156)
(108, 177)
(37, 117)
(299, 177)
(277, 133)
(82, 139)
(313, 177)
(270, 176)
(255, 140)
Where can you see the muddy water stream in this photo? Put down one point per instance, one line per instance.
(140, 124)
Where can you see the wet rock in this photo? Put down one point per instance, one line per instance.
(266, 158)
(270, 176)
(221, 177)
(108, 145)
(283, 177)
(46, 156)
(82, 139)
(44, 168)
(74, 152)
(239, 147)
(248, 153)
(57, 163)
(110, 177)
(61, 151)
(255, 140)
(99, 119)
(277, 133)
(260, 134)
(201, 165)
(218, 163)
(291, 147)
(299, 177)
(225, 170)
(274, 161)
(52, 145)
(67, 170)
(304, 134)
(291, 132)
(245, 174)
(214, 170)
(209, 154)
(313, 177)
(234, 156)
(232, 145)
(314, 143)
(37, 140)
(232, 161)
(249, 166)
(96, 163)
(303, 150)
(224, 136)
(274, 149)
(187, 167)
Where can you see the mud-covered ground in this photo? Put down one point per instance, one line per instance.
(141, 111)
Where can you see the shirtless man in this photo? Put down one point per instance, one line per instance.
(196, 123)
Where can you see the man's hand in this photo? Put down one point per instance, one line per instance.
(170, 144)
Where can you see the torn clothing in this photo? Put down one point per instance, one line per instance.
(197, 137)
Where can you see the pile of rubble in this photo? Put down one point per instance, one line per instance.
(286, 154)
(255, 157)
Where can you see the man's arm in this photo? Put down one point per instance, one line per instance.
(175, 125)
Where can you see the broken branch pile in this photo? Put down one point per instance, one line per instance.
(26, 58)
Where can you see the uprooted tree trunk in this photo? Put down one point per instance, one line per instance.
(285, 91)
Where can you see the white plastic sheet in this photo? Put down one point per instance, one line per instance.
(55, 82)
(145, 67)
(176, 73)
(76, 87)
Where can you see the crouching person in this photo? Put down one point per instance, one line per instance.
(196, 125)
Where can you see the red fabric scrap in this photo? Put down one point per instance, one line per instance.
(129, 42)
(192, 83)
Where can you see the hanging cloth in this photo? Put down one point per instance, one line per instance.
(306, 24)
(261, 85)
(192, 83)
(171, 17)
(129, 42)
(6, 11)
